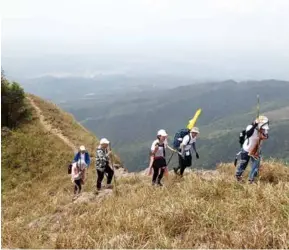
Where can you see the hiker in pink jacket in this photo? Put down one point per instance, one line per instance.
(78, 175)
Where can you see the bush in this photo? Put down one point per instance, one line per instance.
(13, 107)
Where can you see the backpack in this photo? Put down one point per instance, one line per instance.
(69, 168)
(179, 137)
(242, 137)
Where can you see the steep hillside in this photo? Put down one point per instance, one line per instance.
(34, 170)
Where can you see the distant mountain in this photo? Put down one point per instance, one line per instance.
(131, 122)
(129, 111)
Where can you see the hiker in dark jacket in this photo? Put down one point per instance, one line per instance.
(185, 154)
(83, 156)
(102, 164)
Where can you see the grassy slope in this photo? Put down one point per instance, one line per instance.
(193, 212)
(188, 213)
(216, 213)
(34, 173)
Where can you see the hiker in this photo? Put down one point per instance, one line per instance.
(255, 134)
(185, 154)
(83, 156)
(102, 164)
(78, 175)
(158, 157)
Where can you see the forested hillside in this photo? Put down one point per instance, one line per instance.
(228, 107)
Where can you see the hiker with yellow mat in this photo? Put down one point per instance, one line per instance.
(185, 150)
(158, 164)
(184, 141)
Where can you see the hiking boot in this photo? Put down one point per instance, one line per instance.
(251, 181)
(96, 191)
(108, 186)
(239, 178)
(176, 170)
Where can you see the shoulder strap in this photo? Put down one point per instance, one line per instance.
(190, 138)
(163, 145)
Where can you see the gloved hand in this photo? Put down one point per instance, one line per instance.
(197, 155)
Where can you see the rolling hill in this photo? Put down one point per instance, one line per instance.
(228, 107)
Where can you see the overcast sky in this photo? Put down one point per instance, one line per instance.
(230, 33)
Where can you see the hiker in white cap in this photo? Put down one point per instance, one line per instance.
(256, 133)
(158, 157)
(83, 156)
(185, 154)
(102, 164)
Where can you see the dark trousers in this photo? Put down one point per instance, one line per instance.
(77, 186)
(159, 165)
(183, 163)
(100, 176)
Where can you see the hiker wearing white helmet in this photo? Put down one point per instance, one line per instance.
(158, 157)
(83, 156)
(185, 154)
(255, 134)
(102, 164)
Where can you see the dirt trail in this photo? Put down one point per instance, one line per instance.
(47, 126)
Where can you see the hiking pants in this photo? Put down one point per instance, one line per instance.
(245, 158)
(184, 162)
(100, 176)
(159, 166)
(77, 186)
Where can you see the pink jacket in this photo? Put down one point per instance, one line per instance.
(77, 172)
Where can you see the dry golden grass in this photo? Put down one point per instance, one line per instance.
(34, 176)
(68, 126)
(193, 212)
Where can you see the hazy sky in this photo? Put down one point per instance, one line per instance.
(232, 36)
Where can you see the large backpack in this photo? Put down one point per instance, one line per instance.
(179, 137)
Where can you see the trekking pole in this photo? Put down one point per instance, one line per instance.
(111, 159)
(170, 158)
(258, 106)
(258, 145)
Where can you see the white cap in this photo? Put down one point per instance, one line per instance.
(263, 122)
(104, 141)
(162, 132)
(82, 148)
(195, 130)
